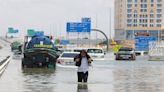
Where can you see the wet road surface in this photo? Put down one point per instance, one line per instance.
(104, 76)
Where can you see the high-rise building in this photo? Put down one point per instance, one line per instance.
(134, 16)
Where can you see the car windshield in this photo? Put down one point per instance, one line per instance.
(94, 51)
(70, 55)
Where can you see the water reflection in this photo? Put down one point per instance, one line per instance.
(137, 79)
(38, 80)
(31, 71)
(82, 88)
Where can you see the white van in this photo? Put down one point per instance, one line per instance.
(96, 53)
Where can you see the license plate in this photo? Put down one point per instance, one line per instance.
(125, 56)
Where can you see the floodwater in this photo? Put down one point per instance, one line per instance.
(104, 76)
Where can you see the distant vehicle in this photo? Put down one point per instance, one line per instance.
(16, 46)
(79, 49)
(141, 53)
(66, 58)
(17, 55)
(126, 53)
(96, 53)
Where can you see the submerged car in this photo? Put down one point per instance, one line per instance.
(17, 55)
(126, 53)
(67, 58)
(96, 53)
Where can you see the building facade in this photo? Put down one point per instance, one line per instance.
(138, 16)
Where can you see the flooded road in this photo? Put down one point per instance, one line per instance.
(104, 76)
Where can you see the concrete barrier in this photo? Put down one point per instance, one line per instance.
(6, 40)
(3, 64)
(141, 53)
(156, 58)
(156, 51)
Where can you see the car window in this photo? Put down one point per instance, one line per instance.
(77, 50)
(70, 55)
(125, 49)
(94, 51)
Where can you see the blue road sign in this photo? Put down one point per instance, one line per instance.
(74, 27)
(64, 42)
(142, 42)
(84, 26)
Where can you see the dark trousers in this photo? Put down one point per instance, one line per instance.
(82, 76)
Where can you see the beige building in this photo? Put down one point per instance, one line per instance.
(134, 16)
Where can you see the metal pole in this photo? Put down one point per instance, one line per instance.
(97, 30)
(96, 26)
(110, 36)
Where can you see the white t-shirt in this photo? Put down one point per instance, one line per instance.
(84, 67)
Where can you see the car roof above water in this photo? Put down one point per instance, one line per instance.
(69, 54)
(126, 49)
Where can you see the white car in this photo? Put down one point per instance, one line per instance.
(67, 58)
(96, 53)
(17, 55)
(126, 53)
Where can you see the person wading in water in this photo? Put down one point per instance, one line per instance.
(83, 60)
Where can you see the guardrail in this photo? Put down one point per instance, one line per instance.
(3, 38)
(3, 64)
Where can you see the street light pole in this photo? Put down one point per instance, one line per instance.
(97, 30)
(110, 36)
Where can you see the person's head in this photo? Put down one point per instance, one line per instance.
(83, 53)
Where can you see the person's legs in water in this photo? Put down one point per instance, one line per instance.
(80, 76)
(85, 76)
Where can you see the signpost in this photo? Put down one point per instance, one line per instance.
(12, 32)
(64, 42)
(30, 32)
(142, 42)
(84, 26)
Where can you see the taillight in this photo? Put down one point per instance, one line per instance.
(59, 61)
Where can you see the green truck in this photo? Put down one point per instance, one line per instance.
(39, 52)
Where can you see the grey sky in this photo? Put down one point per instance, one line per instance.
(52, 15)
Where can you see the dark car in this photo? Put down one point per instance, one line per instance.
(126, 53)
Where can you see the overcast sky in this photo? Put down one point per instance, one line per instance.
(52, 15)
